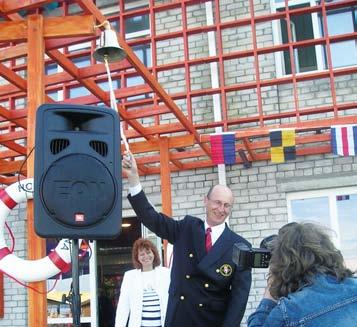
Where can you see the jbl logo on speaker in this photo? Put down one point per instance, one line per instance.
(77, 180)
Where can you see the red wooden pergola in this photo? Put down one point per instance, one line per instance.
(30, 40)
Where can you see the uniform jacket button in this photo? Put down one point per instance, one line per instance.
(191, 255)
(217, 271)
(200, 305)
(182, 297)
(188, 276)
(206, 285)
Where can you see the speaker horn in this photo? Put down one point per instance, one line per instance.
(109, 48)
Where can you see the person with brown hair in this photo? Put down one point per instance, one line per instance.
(308, 282)
(144, 290)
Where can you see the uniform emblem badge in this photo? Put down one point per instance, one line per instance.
(225, 270)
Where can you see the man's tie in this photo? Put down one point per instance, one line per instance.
(208, 239)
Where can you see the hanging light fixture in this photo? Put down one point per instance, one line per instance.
(109, 49)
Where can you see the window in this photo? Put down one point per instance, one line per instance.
(51, 69)
(81, 62)
(53, 95)
(339, 22)
(80, 91)
(301, 30)
(144, 54)
(137, 24)
(333, 208)
(105, 85)
(310, 26)
(54, 69)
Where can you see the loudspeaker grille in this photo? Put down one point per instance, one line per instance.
(99, 147)
(58, 145)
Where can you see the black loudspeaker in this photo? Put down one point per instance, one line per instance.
(77, 180)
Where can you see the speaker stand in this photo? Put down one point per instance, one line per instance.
(76, 298)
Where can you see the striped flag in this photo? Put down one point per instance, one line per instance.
(344, 140)
(282, 142)
(223, 148)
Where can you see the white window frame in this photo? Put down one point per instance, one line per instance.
(331, 195)
(80, 46)
(138, 34)
(277, 37)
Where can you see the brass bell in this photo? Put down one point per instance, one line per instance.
(109, 48)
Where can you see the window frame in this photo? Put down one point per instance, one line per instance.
(331, 194)
(353, 12)
(317, 32)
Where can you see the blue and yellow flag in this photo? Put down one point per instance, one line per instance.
(282, 144)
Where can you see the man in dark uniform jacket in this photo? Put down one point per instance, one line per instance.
(206, 289)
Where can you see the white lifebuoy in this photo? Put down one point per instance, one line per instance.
(59, 260)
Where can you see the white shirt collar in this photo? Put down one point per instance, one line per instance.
(216, 231)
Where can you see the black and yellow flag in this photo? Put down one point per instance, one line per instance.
(282, 144)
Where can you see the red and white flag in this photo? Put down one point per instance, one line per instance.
(344, 140)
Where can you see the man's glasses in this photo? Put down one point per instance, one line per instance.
(219, 204)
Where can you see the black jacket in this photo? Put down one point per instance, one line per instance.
(206, 290)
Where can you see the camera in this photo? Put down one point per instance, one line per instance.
(247, 257)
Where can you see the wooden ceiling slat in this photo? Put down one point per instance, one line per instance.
(12, 77)
(70, 26)
(13, 52)
(20, 149)
(10, 180)
(154, 145)
(12, 6)
(9, 154)
(13, 31)
(304, 125)
(10, 136)
(7, 115)
(10, 167)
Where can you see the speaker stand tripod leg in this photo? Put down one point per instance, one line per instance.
(76, 298)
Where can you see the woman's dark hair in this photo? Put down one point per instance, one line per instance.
(143, 243)
(300, 252)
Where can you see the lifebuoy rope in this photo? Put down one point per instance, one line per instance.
(58, 261)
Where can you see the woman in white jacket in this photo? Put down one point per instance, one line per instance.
(144, 290)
